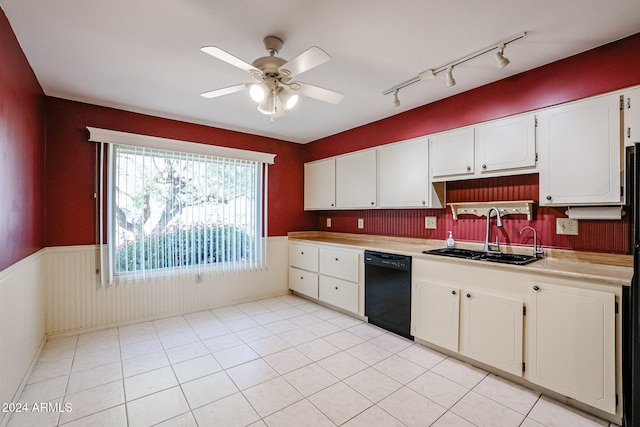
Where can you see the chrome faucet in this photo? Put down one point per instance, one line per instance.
(492, 247)
(536, 250)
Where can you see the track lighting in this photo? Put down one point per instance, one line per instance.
(448, 68)
(502, 61)
(396, 101)
(450, 80)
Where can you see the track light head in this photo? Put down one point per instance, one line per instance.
(396, 100)
(450, 80)
(499, 55)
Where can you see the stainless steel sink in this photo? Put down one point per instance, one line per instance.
(500, 257)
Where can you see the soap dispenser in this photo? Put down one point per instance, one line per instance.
(450, 242)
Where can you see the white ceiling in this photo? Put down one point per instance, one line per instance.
(144, 55)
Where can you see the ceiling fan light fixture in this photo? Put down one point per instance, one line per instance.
(259, 92)
(289, 100)
(268, 106)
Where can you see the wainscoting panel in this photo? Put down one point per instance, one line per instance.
(76, 301)
(22, 322)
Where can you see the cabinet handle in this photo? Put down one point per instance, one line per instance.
(336, 288)
(468, 168)
(373, 203)
(468, 295)
(424, 203)
(549, 197)
(536, 288)
(301, 277)
(302, 253)
(337, 259)
(484, 166)
(453, 292)
(331, 204)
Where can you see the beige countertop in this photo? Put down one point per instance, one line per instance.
(604, 268)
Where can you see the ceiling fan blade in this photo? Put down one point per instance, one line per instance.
(319, 93)
(216, 52)
(307, 60)
(224, 91)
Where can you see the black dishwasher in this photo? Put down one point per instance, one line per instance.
(387, 298)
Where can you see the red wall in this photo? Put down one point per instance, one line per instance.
(607, 68)
(21, 153)
(71, 167)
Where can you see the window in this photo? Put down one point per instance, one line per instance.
(184, 209)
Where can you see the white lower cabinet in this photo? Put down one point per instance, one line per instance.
(341, 293)
(572, 343)
(491, 330)
(334, 276)
(568, 338)
(484, 326)
(304, 282)
(435, 313)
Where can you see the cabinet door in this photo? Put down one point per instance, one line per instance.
(580, 152)
(492, 331)
(506, 144)
(435, 312)
(304, 282)
(572, 343)
(320, 185)
(452, 154)
(341, 264)
(339, 293)
(631, 117)
(403, 174)
(356, 180)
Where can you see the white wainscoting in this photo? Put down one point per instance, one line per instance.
(75, 300)
(22, 322)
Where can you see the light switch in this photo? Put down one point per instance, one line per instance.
(328, 222)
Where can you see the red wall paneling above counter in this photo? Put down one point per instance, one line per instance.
(611, 236)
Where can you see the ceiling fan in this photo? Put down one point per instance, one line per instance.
(273, 88)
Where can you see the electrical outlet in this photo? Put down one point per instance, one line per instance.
(430, 222)
(360, 223)
(328, 222)
(567, 226)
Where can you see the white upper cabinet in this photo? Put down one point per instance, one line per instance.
(500, 147)
(356, 180)
(506, 144)
(403, 176)
(320, 184)
(632, 116)
(452, 154)
(580, 153)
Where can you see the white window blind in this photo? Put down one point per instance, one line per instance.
(185, 211)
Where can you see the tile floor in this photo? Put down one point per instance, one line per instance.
(275, 362)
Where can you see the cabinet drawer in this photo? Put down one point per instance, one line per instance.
(303, 256)
(341, 264)
(338, 292)
(304, 282)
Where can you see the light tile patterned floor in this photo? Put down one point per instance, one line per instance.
(276, 362)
